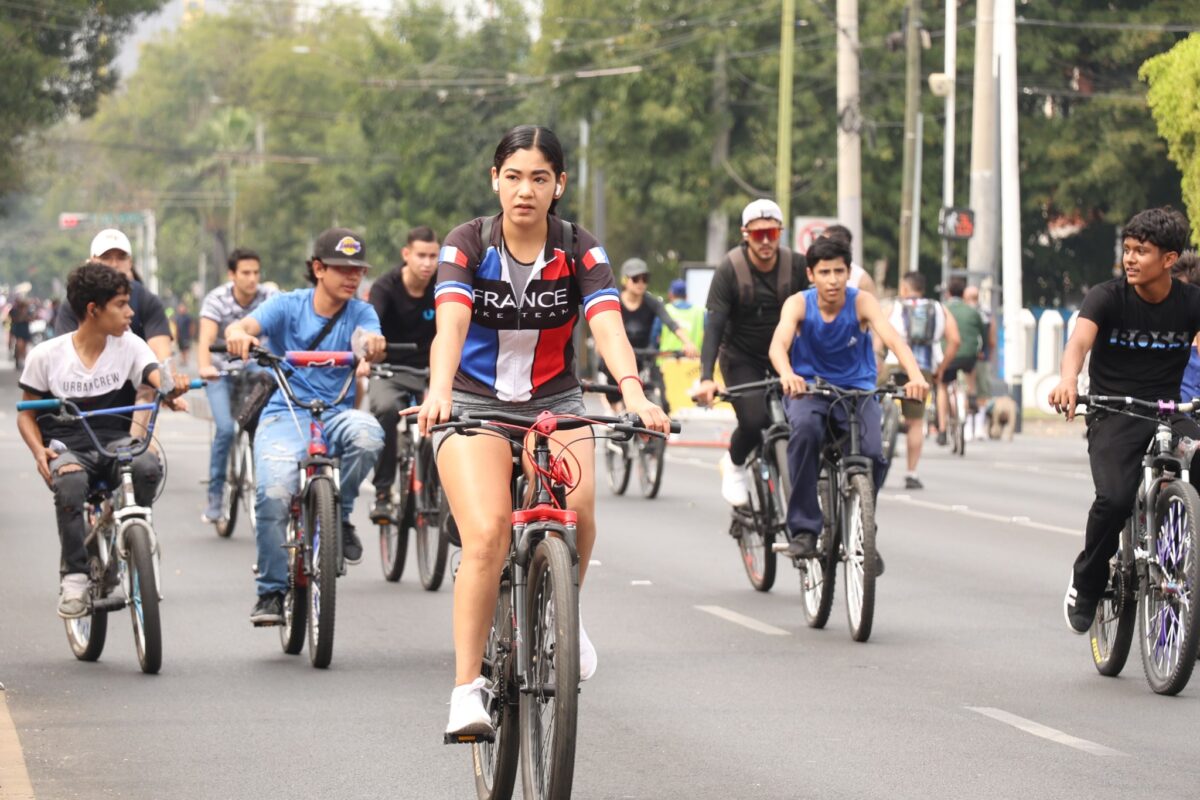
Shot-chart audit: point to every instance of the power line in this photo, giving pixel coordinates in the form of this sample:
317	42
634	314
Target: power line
1153	27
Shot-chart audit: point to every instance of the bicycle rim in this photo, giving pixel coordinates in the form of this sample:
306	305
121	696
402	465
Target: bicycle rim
143	598
322	588
818	575
859	558
651	464
1166	607
433	541
86	635
618	465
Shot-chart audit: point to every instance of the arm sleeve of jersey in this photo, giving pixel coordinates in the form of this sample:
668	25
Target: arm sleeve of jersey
366	318
455	276
65	321
209	309
714	329
1096	304
269	314
723	290
595	277
142	359
34	378
660	311
154	316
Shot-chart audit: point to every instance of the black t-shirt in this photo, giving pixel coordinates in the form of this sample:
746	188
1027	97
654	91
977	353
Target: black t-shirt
639	322
1141	348
149	317
749	328
404	318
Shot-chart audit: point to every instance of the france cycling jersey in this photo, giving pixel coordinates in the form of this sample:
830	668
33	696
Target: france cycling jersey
519	342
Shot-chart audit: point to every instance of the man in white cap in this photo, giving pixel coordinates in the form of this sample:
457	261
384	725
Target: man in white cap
111	247
747	292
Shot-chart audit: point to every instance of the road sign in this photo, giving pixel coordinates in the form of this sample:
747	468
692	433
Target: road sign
74	220
958	223
808	229
69	220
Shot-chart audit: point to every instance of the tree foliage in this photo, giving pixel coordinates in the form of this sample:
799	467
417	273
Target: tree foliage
1174	97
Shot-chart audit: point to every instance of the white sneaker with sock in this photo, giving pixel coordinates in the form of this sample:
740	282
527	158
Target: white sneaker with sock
587	655
467	713
733	482
73	596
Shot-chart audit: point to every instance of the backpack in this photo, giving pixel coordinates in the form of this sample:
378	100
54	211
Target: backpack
920	320
745	278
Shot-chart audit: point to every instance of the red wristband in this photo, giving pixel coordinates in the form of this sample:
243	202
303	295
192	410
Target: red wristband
631	378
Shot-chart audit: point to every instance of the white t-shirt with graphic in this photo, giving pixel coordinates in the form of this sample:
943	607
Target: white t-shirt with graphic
54	369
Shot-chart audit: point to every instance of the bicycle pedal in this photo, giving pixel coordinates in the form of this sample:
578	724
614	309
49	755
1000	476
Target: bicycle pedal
468	738
779	547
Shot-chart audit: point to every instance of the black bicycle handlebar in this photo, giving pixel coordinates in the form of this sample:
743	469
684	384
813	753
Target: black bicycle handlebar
626	423
612	391
1160	408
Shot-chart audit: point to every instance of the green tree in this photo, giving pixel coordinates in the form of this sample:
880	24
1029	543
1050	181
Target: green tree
1174	97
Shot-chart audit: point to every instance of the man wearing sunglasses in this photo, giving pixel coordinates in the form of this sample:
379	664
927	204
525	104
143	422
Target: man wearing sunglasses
747	292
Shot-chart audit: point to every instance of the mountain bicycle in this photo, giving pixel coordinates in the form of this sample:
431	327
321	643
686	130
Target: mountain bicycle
314	528
846	493
619	457
531	660
123	548
757	525
1155	575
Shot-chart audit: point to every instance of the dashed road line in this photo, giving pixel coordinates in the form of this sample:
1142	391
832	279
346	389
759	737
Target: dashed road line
743	620
1023	522
14	779
1050	734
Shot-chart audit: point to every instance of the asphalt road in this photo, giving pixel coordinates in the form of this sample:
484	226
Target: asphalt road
970	687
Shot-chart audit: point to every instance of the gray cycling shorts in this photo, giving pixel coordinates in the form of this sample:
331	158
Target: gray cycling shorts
568	402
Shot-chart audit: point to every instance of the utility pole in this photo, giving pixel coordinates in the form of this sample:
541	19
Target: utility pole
849	138
912	99
718	221
1010	196
951	76
981	249
783	154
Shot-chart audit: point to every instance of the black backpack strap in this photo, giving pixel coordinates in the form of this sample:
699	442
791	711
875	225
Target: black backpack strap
783	280
741	270
485	235
329	323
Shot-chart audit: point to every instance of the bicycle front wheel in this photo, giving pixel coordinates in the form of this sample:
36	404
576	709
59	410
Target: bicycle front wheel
433	540
758	536
619	464
143	598
651	462
1112	630
323	533
496	761
231	493
818	576
550	704
1167	610
860	562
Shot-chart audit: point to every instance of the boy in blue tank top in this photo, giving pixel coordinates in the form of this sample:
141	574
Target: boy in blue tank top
823	333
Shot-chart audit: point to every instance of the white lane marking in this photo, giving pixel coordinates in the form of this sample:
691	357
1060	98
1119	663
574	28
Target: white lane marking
1055	471
641	583
14	779
694	462
1053	735
1023	522
743	620
593	563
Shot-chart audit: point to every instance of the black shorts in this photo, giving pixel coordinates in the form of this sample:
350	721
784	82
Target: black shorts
964	365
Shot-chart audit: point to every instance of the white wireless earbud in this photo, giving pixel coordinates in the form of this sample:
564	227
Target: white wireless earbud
558	190
495	185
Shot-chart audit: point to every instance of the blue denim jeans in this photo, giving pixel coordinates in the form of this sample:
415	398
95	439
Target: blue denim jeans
218	402
353	436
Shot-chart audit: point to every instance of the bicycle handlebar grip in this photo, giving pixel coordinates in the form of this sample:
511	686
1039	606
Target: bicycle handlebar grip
218	347
319	358
47	404
601	388
196	383
401	347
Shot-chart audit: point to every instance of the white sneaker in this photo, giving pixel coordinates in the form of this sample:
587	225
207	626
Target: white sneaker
467	713
733	482
587	655
73	596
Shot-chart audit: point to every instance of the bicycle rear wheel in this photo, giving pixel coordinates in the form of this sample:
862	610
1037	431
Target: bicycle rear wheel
651	463
143	598
549	707
860	561
818	576
295	599
1167	610
324	532
433	540
248	486
758	535
619	465
496	761
1112	630
86	635
230	493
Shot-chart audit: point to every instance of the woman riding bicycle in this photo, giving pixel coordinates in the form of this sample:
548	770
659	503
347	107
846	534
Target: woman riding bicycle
506	309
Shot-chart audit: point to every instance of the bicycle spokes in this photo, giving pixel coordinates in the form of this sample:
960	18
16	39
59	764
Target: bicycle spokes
1171	593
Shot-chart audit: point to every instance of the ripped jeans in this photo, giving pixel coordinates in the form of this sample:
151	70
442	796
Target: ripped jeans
353	436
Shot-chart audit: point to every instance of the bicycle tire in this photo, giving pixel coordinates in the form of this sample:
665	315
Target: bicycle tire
143	598
1175	537
891	432
818	576
552	599
86	635
230	492
295	600
754	545
433	541
619	465
495	762
1116	616
860	562
249	486
323	533
651	465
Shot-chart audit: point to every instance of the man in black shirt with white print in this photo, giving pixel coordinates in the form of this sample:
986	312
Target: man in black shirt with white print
403	299
1139	329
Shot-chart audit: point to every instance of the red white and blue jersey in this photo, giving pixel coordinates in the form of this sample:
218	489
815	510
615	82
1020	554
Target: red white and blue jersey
521	348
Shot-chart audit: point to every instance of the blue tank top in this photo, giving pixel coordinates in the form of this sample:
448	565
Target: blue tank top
838	352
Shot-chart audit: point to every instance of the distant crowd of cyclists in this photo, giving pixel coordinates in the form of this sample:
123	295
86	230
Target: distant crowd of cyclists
492	309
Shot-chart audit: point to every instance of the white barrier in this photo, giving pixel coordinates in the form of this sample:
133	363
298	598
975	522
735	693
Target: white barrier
1049	342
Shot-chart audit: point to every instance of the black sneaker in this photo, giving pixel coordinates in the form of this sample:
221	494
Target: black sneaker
941	438
351	544
384	510
1079	609
802	545
913	482
268	610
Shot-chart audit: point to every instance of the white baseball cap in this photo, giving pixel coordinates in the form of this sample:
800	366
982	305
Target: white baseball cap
762	209
110	239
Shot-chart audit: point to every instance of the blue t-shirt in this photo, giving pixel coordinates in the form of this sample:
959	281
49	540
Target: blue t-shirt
291	323
839	351
1190	389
